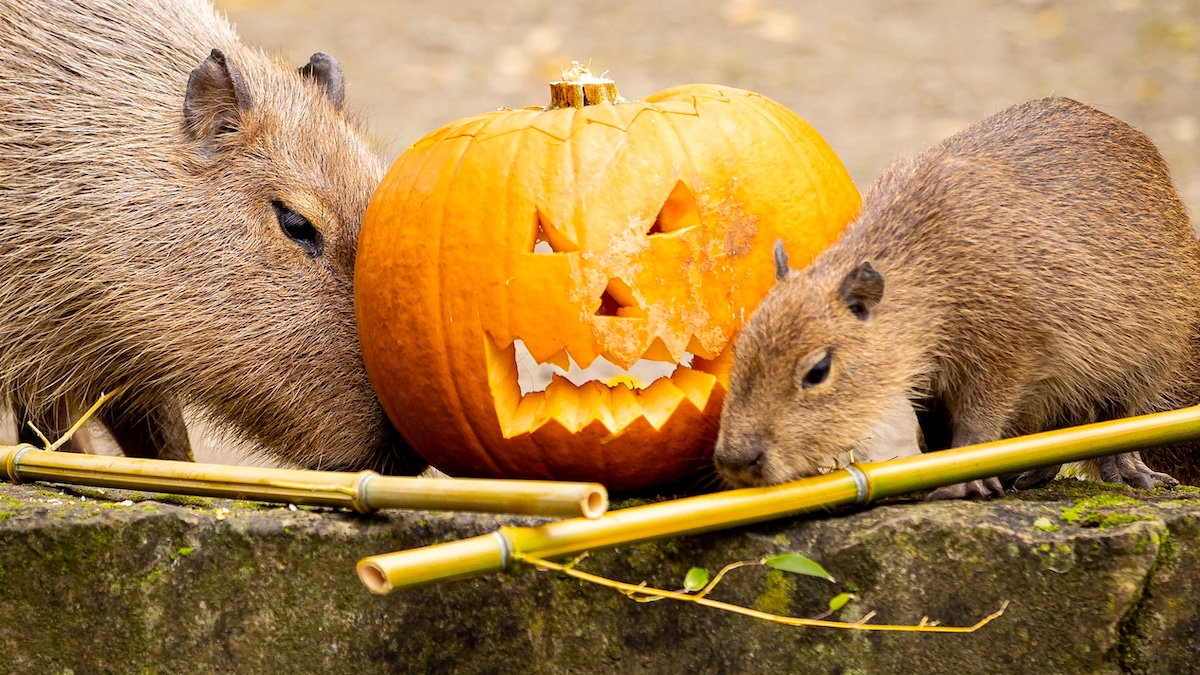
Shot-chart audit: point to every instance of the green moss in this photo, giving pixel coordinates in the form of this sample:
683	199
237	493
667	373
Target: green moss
182	552
1167	550
1044	524
909	547
1057	557
1082	489
185	500
1111	500
1071	514
1114	519
83	552
99	494
778	595
627	503
1143	545
1080	511
1178	503
537	625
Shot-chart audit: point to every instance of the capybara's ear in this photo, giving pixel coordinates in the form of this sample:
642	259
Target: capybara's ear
216	98
861	290
781	261
325	71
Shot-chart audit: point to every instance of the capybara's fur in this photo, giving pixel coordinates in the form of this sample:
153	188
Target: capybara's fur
1181	461
1033	271
179	214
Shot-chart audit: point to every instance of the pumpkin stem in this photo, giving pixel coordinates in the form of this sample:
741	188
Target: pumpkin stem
579	87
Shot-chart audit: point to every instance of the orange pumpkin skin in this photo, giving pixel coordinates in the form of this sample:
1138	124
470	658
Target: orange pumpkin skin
661	215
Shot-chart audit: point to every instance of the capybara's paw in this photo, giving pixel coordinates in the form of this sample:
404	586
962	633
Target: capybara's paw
1129	469
975	489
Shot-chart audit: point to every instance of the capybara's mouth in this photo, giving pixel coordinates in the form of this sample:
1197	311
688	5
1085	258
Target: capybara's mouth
742	479
772	476
529	393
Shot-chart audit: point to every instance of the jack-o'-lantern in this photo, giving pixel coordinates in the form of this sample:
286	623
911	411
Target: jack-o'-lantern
596	230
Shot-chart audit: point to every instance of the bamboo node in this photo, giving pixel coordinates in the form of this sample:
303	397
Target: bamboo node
359	494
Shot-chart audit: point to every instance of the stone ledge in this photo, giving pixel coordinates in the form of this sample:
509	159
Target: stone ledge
91	585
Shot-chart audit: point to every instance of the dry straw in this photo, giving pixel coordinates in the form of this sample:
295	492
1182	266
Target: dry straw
858	484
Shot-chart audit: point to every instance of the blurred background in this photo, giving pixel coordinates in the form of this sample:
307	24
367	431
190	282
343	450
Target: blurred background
877	78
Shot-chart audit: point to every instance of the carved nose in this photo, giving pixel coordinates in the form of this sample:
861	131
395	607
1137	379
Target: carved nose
742	462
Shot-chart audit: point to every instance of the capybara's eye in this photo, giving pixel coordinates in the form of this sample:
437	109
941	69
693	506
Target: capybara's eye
818	373
298	229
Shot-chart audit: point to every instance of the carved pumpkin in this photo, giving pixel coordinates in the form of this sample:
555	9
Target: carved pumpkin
616	230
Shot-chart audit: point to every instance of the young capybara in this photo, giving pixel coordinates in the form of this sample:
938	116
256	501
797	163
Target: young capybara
1034	271
179	214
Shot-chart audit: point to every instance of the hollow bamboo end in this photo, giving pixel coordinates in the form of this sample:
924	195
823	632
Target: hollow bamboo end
594	502
10	457
389	572
373	577
579	87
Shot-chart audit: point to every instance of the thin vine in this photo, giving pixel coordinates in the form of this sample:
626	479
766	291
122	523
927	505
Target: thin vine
643	593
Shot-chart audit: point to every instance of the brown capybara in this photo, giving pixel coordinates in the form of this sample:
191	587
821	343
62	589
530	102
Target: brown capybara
179	214
1034	271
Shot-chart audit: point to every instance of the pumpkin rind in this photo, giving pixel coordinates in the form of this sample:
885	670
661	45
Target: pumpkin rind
662	215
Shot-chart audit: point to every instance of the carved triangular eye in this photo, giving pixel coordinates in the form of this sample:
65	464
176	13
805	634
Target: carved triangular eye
678	213
547	239
617	300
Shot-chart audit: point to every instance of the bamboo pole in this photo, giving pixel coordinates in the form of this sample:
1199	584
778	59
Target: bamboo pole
857	484
364	492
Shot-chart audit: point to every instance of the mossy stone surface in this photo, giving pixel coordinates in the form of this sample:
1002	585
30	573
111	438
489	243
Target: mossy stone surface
93	583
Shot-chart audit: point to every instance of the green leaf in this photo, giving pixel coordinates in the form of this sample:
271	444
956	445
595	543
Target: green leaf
798	564
696	578
839	601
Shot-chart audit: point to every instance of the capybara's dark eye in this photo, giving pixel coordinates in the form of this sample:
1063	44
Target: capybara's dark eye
298	229
818	373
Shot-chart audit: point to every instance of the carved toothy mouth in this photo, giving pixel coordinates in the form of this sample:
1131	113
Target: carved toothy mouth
528	393
534	377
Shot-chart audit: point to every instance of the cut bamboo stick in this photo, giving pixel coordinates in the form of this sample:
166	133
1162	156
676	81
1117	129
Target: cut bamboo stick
857	484
364	492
